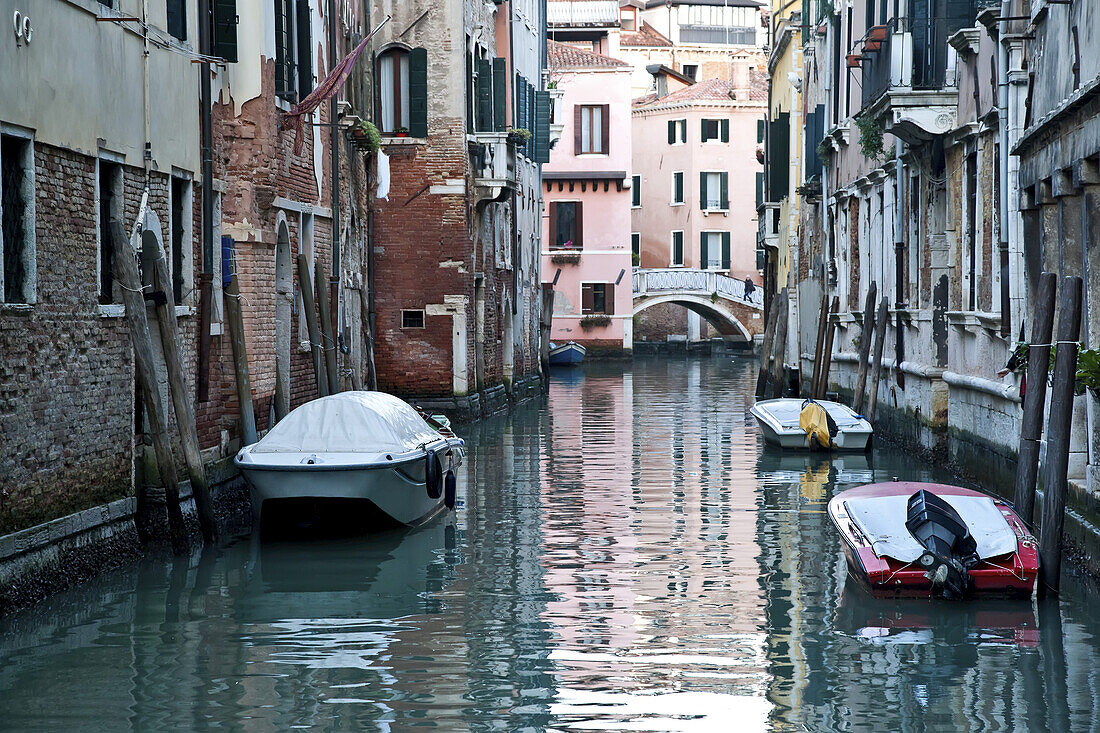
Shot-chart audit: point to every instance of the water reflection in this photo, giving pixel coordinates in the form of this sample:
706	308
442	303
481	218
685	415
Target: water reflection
627	557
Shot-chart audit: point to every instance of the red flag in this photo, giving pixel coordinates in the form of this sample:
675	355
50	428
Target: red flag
328	86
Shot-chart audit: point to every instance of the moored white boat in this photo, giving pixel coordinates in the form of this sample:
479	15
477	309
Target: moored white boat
779	422
356	445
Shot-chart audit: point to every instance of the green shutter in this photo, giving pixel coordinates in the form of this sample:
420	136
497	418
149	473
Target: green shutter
760	131
702	250
725	250
282	22
702	191
224	39
484	121
725	128
635	190
683	131
759	189
671	132
702	130
500	94
542	127
725	197
418	92
678	187
305	50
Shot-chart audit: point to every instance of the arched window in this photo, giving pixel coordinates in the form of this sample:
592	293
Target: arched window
393	90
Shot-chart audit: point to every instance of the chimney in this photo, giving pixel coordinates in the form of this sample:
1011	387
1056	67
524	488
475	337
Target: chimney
740	79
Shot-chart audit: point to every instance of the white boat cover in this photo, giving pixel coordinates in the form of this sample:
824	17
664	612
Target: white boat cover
882	518
786	411
349	422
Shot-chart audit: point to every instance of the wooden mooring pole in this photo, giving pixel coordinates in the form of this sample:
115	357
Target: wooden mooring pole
819	347
876	360
1038	365
235	319
867	330
305	282
766	348
328	341
181	400
779	367
827	351
1058	432
134	300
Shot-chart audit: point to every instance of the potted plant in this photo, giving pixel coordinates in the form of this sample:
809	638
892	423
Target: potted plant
365	136
402	132
518	135
595	321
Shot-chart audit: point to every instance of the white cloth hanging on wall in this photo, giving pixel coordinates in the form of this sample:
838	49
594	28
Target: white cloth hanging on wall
383	176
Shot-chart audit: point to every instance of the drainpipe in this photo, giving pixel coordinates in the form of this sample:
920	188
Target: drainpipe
334	145
206	279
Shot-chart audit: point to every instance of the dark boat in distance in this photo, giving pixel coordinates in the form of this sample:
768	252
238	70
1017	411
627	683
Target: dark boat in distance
566	354
918	539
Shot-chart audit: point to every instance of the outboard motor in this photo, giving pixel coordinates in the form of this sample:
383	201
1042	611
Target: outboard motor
950	550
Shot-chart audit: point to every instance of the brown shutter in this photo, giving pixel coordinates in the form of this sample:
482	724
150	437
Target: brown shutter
578	225
605	118
577	129
553	225
609	299
586	298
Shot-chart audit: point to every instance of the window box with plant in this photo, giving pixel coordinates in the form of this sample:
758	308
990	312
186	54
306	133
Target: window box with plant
365	137
565	258
595	321
518	135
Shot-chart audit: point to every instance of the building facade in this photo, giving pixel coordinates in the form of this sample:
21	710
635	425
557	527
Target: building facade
586	232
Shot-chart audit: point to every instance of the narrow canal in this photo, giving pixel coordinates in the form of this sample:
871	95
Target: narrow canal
627	557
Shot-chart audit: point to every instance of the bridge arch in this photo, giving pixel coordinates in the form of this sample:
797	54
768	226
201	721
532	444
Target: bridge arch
714	310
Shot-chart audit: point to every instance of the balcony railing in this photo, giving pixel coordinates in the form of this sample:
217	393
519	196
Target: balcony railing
493	162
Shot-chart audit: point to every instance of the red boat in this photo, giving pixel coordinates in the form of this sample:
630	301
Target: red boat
918	539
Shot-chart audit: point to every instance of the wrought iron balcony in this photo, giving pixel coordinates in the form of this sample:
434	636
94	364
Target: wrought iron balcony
493	162
909	75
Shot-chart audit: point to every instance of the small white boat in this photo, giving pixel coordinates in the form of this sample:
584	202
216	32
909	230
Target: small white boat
356	445
780	423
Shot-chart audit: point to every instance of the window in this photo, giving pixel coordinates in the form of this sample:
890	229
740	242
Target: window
677	188
636	246
412	319
176	11
393	90
566	231
110	207
17	222
714	250
180	243
628	20
597	298
715	130
677	132
714	191
677	259
591	129
636	191
293	50
690	71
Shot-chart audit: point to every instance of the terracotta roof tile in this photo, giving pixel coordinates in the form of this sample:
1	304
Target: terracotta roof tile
564	56
646	36
711	90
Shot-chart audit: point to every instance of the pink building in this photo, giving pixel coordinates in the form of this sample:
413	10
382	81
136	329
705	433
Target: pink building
586	225
696	179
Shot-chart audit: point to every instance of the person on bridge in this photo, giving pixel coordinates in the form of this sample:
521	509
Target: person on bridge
750	288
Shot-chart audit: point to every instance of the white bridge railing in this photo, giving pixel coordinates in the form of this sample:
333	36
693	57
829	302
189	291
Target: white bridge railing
696	282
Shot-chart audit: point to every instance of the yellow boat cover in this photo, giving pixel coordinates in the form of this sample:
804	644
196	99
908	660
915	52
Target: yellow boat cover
815	422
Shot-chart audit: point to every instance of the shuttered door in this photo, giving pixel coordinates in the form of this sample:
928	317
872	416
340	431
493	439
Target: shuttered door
702	190
542	127
779	151
577	112
725	192
703	250
282	48
605	129
702	131
724	126
671	132
305	50
578	216
500	94
224	39
484	119
553	224
418	92
609	299
725	250
586	298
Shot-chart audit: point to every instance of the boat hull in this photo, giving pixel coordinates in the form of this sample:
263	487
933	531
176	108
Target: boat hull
566	354
790	437
1011	575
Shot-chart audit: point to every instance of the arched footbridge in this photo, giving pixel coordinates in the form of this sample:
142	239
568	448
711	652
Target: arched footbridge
717	298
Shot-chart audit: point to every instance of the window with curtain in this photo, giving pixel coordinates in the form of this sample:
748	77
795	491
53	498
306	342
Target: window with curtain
714	190
393	90
592	137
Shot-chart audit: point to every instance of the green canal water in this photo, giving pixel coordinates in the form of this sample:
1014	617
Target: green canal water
626	557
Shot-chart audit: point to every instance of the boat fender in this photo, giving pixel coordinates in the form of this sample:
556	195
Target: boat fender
433	474
450	490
